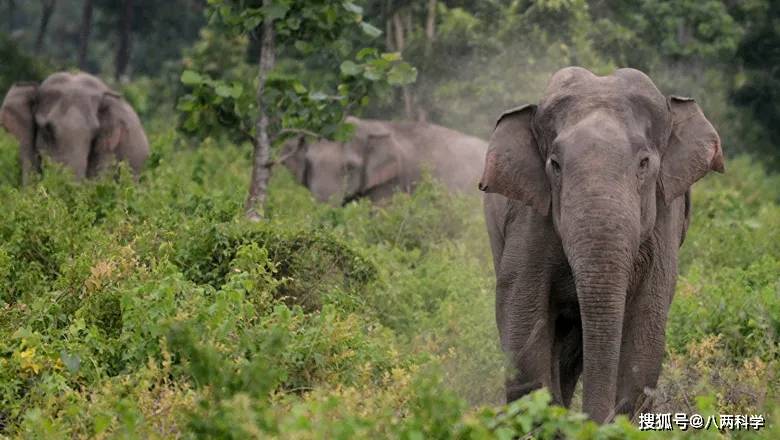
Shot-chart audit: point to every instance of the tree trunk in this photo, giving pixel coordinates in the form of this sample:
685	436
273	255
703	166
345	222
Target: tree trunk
387	8
430	26
399	32
47	9
400	44
261	164
86	29
389	35
125	31
430	33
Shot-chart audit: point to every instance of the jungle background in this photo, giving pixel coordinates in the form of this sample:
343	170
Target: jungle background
156	310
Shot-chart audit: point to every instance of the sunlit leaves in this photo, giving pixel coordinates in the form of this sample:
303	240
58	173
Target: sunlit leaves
293	99
370	30
191	78
350	68
400	74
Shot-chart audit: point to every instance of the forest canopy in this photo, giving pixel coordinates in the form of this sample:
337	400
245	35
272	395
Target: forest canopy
473	59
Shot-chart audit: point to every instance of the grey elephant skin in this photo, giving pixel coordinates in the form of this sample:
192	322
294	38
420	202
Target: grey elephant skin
588	203
386	156
76	120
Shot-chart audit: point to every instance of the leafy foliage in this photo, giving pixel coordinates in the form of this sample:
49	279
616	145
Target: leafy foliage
152	310
302	27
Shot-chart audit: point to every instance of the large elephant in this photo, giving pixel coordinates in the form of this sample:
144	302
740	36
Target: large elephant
588	203
77	121
386	156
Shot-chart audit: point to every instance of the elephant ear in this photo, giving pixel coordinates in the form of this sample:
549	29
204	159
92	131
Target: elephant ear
692	151
514	167
112	126
294	157
16	113
382	160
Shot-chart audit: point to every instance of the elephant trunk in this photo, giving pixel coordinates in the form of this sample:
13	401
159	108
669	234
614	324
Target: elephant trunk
600	240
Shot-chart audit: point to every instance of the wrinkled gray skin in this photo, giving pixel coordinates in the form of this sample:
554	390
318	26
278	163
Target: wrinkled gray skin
589	201
76	120
387	156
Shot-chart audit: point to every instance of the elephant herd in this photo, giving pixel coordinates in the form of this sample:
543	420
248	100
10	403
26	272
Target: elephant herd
77	121
587	202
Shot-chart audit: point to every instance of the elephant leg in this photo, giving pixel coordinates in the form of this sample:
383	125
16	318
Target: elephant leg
567	359
642	348
524	310
30	163
526	332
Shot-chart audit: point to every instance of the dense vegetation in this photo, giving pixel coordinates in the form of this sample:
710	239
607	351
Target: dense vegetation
155	310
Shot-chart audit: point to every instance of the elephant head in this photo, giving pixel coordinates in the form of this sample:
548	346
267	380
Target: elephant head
76	120
343	171
603	156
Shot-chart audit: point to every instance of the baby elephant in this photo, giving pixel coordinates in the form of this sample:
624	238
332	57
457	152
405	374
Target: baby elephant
77	121
590	203
386	156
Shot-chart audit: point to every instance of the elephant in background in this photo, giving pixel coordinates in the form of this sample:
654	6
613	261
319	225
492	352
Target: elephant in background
76	120
386	156
588	203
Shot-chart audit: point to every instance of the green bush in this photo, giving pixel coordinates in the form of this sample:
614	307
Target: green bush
153	310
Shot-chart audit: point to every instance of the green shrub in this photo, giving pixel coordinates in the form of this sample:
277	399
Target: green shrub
153	310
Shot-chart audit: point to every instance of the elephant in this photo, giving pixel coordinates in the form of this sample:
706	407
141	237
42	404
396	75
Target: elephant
383	157
587	202
75	120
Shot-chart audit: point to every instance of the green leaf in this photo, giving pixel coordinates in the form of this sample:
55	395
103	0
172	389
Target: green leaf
238	90
186	103
401	74
349	68
293	23
275	11
365	52
372	74
391	56
370	30
191	78
299	88
72	362
303	46
351	7
252	22
344	132
223	90
318	96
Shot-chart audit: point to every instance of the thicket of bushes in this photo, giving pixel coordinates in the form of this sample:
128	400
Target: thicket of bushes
152	310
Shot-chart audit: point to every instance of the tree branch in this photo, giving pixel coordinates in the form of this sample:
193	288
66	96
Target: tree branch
300	131
287	155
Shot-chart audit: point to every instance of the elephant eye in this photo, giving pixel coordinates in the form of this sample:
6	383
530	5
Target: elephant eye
556	167
643	164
